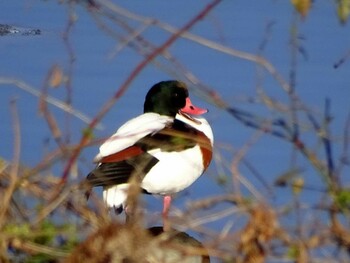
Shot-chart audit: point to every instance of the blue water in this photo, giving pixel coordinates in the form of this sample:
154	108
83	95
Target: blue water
97	74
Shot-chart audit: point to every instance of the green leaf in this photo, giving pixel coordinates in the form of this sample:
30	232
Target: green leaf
293	252
342	199
46	233
17	230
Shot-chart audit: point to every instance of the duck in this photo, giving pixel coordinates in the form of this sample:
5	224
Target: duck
168	147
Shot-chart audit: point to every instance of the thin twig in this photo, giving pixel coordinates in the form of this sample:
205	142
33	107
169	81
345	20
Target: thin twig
6	198
71	57
344	156
324	170
236	175
342	60
328	144
292	82
34	248
43	109
51	100
52	206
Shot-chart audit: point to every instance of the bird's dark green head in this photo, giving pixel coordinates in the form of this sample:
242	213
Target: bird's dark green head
166	98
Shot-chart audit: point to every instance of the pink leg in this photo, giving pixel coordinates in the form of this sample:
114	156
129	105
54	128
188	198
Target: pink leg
166	205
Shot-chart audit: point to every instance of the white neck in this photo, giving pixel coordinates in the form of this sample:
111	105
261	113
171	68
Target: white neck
200	124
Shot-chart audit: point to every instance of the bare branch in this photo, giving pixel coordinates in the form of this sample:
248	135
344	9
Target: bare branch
6	198
51	100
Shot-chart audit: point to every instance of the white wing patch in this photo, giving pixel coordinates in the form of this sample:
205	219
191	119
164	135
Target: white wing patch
132	131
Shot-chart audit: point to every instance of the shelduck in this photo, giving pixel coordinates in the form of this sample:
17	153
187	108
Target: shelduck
168	147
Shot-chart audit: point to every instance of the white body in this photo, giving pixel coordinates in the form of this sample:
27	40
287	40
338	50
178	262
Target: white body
174	172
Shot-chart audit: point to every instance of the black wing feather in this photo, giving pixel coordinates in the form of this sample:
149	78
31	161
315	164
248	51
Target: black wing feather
114	173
